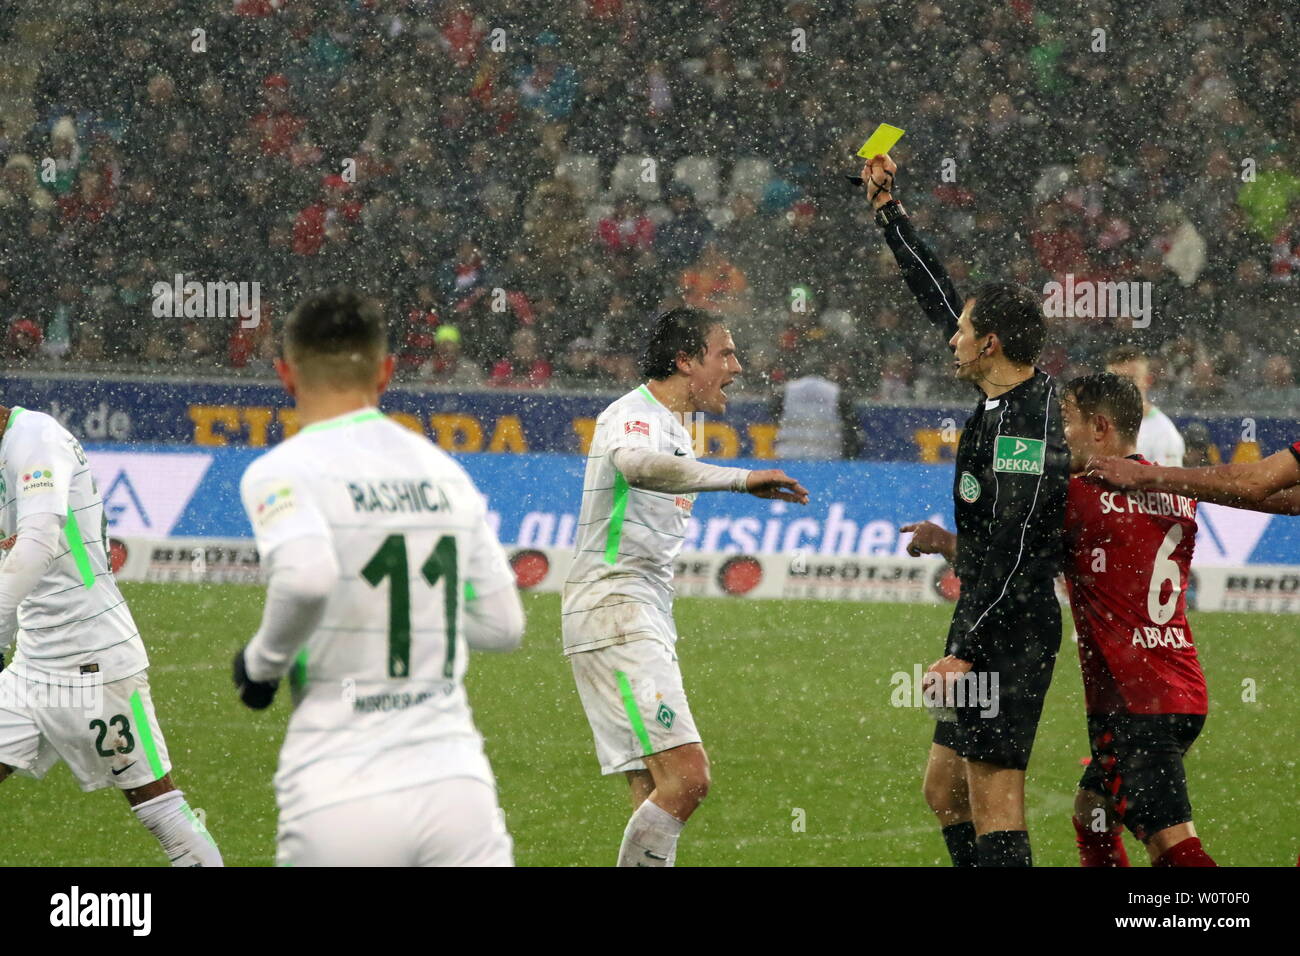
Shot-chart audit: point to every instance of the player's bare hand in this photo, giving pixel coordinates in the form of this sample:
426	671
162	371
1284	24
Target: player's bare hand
774	483
878	178
940	669
929	538
1123	473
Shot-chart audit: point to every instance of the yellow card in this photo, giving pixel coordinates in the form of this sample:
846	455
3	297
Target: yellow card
881	141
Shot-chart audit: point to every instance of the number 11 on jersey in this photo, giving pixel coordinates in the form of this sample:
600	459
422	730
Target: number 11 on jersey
390	562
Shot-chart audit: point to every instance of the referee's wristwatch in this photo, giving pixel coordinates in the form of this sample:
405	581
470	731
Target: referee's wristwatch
890	212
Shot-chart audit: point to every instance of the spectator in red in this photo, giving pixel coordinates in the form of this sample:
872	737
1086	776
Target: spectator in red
464	274
90	201
422	323
1058	243
461	34
332	214
23	339
1284	261
525	367
257	8
250	337
277	127
627	229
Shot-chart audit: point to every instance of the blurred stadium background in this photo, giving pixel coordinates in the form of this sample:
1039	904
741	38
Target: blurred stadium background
513	160
522	184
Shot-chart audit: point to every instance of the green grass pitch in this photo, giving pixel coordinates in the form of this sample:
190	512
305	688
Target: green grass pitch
792	700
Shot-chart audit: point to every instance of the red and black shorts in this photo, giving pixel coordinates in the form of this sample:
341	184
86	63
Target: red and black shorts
1137	762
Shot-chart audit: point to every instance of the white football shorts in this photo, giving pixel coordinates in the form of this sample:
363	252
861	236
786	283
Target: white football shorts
634	700
107	734
451	822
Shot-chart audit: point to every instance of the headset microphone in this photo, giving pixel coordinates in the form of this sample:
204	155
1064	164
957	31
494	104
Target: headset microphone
979	356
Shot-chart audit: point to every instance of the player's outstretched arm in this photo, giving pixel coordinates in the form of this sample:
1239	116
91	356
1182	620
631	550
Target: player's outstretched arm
1240	485
670	474
921	268
1284	502
929	538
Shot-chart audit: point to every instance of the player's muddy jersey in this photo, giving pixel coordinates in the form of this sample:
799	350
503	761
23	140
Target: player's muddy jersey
1128	570
75	621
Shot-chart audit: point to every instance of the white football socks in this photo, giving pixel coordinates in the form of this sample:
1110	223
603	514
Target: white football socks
650	838
183	836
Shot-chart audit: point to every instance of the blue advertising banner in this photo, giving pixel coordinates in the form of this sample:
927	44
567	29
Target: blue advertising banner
213	414
857	508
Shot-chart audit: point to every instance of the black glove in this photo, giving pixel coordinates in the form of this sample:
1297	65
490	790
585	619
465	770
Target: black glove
255	694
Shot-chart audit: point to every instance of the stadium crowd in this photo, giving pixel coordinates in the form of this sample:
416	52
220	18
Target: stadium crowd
523	182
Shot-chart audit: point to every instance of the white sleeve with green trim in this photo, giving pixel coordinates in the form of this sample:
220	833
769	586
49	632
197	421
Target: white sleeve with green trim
302	574
30	557
74	619
296	545
495	622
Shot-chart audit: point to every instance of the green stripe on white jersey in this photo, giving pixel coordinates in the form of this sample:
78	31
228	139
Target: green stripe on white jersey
627	538
75	617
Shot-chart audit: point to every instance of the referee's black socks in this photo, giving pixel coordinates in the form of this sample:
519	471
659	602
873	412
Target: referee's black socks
960	838
1004	848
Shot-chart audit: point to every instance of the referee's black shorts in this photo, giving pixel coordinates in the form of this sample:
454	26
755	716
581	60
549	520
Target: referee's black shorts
1020	651
1137	763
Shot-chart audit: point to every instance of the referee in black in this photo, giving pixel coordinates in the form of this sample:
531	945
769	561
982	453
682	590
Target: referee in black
1009	493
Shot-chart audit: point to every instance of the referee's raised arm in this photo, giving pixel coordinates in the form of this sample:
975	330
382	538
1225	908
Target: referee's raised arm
921	268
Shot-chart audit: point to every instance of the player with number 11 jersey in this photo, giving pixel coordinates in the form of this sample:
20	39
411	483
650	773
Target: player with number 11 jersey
383	574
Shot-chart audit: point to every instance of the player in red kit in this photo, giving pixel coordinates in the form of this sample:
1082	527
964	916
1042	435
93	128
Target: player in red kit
1130	556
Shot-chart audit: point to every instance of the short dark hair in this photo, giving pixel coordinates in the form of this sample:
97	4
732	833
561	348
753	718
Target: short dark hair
1015	314
1116	397
674	332
1123	354
338	335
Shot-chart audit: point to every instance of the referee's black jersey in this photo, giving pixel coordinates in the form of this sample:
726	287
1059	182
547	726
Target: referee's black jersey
1009	487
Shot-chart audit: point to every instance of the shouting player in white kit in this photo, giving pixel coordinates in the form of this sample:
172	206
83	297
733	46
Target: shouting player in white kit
383	573
77	688
619	633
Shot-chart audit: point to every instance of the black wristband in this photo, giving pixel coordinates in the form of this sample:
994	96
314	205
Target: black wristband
890	212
